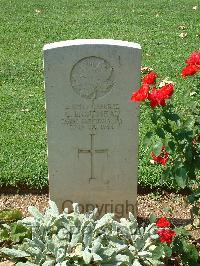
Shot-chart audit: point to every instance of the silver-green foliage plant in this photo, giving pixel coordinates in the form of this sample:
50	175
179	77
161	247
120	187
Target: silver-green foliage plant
80	239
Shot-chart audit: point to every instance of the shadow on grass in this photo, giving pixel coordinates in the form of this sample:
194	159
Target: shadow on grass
23	190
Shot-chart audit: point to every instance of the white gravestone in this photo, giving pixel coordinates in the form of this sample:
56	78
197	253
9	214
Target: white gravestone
92	126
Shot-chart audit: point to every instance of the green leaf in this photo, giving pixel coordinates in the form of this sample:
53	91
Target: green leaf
10	215
19	232
181	177
4	235
172	116
195	210
147	139
160	132
168	128
154	118
181	181
194	196
189	253
152	218
157	252
189	123
157	148
139	243
171	145
167	250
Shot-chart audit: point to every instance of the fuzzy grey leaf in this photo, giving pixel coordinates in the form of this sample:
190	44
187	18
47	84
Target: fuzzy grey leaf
132	218
144	253
155	262
106	219
62	233
53	208
48	263
96	257
76	208
96	245
136	263
121	258
87	256
27	221
14	253
60	254
75	239
35	212
26	264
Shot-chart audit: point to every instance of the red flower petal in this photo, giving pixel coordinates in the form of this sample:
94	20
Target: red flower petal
150	78
141	94
153	98
194	59
158	96
167	90
166	235
163	222
162	158
189	70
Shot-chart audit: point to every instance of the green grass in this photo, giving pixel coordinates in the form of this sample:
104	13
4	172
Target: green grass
27	25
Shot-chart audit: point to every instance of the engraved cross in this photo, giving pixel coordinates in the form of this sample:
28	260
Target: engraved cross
92	152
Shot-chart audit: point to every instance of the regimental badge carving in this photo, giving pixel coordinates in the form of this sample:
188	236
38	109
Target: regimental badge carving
92	77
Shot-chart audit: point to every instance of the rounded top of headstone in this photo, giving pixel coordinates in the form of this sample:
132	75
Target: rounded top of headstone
112	42
92	77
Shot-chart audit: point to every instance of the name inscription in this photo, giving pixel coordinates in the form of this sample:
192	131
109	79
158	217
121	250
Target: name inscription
98	116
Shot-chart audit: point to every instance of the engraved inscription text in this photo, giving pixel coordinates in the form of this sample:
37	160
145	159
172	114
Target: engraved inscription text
92	117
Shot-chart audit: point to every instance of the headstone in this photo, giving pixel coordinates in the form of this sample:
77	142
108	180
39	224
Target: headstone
92	125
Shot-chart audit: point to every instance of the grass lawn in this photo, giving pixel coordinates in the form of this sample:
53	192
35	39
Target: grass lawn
27	25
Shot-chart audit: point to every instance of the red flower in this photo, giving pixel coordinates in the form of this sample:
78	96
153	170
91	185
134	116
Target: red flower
167	90
150	78
141	94
155	98
194	59
166	235
193	65
163	222
162	158
158	96
189	70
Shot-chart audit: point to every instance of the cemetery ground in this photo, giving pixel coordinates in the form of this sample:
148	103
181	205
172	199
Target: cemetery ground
173	205
170	204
